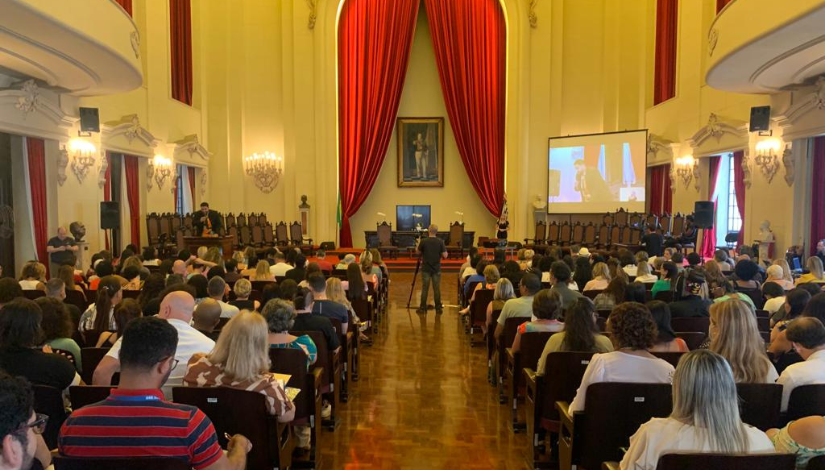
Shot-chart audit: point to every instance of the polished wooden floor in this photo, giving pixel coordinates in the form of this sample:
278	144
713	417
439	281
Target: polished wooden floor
423	401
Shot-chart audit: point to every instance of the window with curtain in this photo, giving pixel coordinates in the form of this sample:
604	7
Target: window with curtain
733	218
667	23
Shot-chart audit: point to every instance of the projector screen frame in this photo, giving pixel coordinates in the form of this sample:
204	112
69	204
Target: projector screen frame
570	136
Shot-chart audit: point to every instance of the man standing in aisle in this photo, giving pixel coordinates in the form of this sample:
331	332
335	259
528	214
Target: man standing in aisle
62	249
432	249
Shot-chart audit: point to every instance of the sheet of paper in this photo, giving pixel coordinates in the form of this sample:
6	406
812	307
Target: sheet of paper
292	392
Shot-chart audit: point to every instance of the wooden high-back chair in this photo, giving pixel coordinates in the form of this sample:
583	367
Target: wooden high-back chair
806	400
553	231
293	362
530	349
707	461
131	463
760	404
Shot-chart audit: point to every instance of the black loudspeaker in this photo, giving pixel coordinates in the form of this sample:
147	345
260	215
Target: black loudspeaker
89	120
109	215
554	183
760	118
703	214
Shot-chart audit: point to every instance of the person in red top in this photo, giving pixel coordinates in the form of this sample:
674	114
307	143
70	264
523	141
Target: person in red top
321	259
136	421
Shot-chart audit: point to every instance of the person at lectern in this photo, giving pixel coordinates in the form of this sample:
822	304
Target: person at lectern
590	184
207	222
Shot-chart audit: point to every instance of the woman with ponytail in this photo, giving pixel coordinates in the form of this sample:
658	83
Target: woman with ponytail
99	317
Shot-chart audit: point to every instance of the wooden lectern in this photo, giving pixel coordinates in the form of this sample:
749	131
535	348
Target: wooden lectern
224	243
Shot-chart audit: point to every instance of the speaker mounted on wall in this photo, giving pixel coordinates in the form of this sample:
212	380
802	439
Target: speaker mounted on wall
703	214
109	215
760	119
89	120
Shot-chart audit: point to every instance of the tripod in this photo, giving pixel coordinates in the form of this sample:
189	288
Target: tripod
415	276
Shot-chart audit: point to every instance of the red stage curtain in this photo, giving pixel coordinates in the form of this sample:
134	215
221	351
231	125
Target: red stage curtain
37	186
655	190
374	41
721	4
667	19
739	187
818	194
127	5
191	170
470	40
180	37
133	194
667	192
709	235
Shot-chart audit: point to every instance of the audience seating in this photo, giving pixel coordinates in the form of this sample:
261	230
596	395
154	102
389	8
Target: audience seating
49	401
90	358
153	463
33	294
505	341
612	413
347	346
491	341
478	313
700	324
242	412
816	463
760	404
693	339
664	296
330	362
806	400
671	358
82	395
706	461
530	349
77	298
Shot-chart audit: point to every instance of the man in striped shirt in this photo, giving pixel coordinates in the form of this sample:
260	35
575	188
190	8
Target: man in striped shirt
136	421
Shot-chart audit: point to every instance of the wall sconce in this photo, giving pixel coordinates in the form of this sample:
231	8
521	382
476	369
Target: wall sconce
766	158
163	170
83	157
265	169
685	168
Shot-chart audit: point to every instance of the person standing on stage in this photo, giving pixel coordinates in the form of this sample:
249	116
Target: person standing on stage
208	222
432	249
62	249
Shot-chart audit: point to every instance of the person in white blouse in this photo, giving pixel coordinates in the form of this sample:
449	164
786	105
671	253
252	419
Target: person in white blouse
633	332
643	274
703	391
735	336
601	278
807	335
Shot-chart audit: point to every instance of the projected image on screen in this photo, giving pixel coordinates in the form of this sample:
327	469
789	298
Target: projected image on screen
597	173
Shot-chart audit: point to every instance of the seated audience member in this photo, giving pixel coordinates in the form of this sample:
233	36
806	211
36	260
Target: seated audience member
775	295
666	341
125	311
560	280
807	335
323	306
583	273
718	283
734	335
175	279
289	289
280	318
691	303
305	320
580	334
336	293
653	241
10	290
262	272
633	332
541	267
201	285
217	289
99	317
787	272
613	295
20	352
346	261
679	260
132	276
814	274
703	390
668	274
803	437
643	274
491	277
232	274
546	313
176	308
321	259
66	274
628	262
694	260
527	261
149	297
781	350
520	307
601	278
468	263
243	289
133	262
21	429
616	271
355	286
56	289
737	296
635	292
477	278
794	305
179	268
667	254
216	271
378	266
206	317
721	259
299	272
240	360
57	328
512	272
503	292
33	276
746	272
776	275
148	354
104	269
281	266
150	256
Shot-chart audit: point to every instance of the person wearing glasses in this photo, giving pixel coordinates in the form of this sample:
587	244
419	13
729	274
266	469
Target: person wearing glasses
176	308
147	425
21	445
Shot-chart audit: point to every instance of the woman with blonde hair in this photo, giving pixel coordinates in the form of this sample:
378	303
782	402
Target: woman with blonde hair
378	266
504	292
776	274
814	274
643	274
213	257
718	283
735	336
33	276
786	269
601	278
705	417
365	262
66	274
491	277
240	259
336	293
240	360
262	272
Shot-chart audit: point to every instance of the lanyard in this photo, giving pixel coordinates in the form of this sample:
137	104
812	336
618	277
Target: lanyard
136	398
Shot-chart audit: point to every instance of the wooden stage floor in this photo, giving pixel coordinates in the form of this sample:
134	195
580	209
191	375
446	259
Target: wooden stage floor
423	401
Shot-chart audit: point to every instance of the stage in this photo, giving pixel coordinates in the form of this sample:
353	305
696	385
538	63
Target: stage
406	260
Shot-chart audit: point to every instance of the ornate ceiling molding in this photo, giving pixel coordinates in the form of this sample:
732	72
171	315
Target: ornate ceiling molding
204	180
812	102
313	13
192	145
531	14
29	99
130	129
657	145
716	129
788	163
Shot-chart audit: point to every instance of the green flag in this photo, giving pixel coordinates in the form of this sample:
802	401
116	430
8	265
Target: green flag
339	217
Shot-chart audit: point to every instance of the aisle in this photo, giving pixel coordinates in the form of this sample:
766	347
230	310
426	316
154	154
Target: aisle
423	401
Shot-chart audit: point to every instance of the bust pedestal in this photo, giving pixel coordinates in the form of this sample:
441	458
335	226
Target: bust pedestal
304	217
84	256
539	215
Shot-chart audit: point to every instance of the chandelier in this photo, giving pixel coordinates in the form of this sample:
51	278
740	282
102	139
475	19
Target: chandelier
685	168
83	153
767	157
266	169
163	170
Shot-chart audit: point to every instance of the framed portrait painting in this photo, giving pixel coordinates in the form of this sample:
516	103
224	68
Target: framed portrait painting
420	152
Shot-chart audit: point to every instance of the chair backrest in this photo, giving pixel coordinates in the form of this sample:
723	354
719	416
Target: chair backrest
230	220
700	324
578	233
678	225
806	400
131	463
324	357
664	296
693	339
685	461
164	225
563	373
262	218
295	233
260	285
293	362
49	401
635	236
76	298
252	219
175	220
627	233
816	463
760	404
187	220
620	218
565	232
671	358
478	307
541	231
269	234
237	412
153	227
608	219
651	220
245	235
604	234
257	234
33	294
82	395
615	234
456	233
282	233
241	219
613	411
553	231
589	234
90	358
532	345
592	293
755	295
664	222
